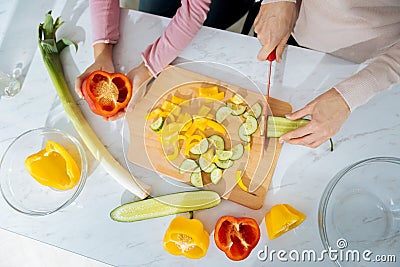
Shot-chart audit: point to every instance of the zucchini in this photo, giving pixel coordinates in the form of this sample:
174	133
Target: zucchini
251	125
188	165
216	176
218	141
223	154
204	163
236	109
237	151
200	148
196	179
278	126
243	134
158	124
257	110
222	113
165	205
210	168
224	164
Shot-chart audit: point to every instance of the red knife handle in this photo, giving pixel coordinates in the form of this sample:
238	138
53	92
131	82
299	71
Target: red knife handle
272	56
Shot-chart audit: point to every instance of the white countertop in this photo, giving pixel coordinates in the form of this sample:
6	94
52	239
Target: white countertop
301	175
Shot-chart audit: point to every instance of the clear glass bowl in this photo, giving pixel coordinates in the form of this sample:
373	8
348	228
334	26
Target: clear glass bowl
20	190
359	212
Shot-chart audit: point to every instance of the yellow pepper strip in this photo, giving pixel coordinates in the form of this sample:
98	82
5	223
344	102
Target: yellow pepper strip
154	113
205	92
189	146
201	123
54	167
186	237
168	106
247	147
191	130
174	155
216	126
281	219
196	137
199	132
239	181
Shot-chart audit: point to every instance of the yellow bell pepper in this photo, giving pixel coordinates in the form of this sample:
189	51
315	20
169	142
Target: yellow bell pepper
216	126
186	237
177	100
281	219
54	167
154	113
219	96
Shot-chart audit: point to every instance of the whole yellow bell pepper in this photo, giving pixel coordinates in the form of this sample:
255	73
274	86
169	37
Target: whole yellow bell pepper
54	167
186	237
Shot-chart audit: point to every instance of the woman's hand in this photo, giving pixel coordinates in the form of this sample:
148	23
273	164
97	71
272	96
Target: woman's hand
137	76
328	113
102	61
273	25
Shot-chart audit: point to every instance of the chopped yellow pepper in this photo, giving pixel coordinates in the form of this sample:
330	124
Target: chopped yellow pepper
219	96
205	92
54	167
168	106
186	237
154	113
177	100
281	219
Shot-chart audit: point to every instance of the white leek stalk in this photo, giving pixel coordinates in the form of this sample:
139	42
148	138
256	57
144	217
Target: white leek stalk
51	49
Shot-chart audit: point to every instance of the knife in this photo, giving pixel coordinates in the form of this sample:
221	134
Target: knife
259	179
271	57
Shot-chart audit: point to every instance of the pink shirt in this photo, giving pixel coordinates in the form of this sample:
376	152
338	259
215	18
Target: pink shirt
356	30
180	31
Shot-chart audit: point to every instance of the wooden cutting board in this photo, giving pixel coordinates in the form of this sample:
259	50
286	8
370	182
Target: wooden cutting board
146	150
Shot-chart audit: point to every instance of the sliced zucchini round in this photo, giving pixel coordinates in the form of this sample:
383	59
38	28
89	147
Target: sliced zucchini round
222	113
216	175
188	165
251	125
158	124
200	148
218	141
223	154
210	168
237	151
224	164
236	109
204	163
243	134
257	110
196	179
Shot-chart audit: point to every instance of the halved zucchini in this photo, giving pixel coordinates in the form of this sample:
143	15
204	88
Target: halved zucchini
196	179
200	148
237	151
188	165
218	141
224	164
158	124
222	113
216	175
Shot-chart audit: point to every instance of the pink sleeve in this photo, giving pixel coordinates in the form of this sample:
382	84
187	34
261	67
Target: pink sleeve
183	27
105	21
380	74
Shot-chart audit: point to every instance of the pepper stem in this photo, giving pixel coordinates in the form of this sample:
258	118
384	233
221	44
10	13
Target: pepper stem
190	214
331	142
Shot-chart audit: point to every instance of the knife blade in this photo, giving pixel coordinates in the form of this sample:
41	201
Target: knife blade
258	180
271	57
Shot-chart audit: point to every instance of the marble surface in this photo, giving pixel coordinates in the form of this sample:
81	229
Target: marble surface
301	175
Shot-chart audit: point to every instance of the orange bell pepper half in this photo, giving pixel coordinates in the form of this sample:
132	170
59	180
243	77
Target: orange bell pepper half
107	93
236	237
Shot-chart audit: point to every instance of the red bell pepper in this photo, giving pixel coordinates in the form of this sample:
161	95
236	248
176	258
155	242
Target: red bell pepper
236	236
107	93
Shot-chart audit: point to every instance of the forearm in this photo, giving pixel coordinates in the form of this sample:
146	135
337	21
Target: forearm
381	73
103	50
105	21
179	33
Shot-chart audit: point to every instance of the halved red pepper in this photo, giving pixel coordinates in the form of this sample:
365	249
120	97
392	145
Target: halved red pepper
236	236
107	93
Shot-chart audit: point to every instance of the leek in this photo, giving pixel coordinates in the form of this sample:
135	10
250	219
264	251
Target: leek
51	49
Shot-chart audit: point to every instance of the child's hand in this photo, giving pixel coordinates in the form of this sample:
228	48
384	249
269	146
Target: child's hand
138	76
103	61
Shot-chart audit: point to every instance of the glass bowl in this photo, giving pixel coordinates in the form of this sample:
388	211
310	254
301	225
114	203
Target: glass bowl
359	213
20	190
